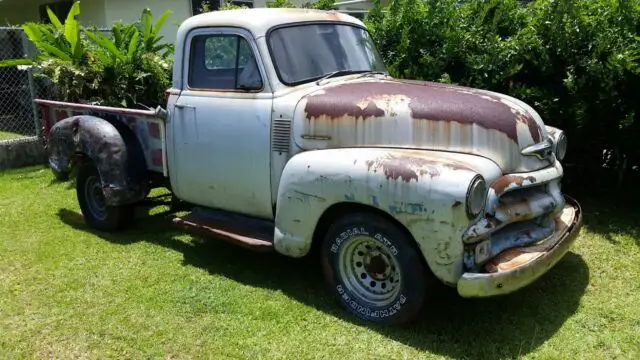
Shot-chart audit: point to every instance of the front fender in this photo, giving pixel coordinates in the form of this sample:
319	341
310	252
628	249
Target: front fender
119	162
424	190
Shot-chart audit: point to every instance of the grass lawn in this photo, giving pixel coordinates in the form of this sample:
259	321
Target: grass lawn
4	135
153	291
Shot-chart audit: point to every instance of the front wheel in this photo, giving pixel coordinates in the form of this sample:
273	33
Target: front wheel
374	268
96	212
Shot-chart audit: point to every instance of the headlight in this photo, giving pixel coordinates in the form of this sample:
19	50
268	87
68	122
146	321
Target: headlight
561	146
476	196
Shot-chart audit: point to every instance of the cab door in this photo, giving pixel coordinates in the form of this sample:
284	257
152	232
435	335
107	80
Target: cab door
221	125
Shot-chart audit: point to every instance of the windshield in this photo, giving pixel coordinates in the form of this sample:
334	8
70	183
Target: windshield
304	53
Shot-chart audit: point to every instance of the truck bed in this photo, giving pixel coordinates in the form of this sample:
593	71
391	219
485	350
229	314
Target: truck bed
148	125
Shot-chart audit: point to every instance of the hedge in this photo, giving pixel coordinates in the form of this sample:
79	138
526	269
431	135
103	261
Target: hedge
575	61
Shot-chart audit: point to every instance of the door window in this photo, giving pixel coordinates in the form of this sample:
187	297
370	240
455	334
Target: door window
223	62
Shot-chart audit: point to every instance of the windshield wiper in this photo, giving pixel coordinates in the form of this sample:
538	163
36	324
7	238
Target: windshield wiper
373	72
339	73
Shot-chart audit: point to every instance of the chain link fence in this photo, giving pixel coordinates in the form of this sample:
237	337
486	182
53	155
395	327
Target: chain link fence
19	116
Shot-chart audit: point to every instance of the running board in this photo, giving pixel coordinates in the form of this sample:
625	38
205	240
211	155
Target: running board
247	232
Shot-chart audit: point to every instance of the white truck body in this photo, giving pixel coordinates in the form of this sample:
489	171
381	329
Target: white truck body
471	177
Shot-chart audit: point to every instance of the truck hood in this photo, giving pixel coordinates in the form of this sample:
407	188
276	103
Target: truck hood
373	112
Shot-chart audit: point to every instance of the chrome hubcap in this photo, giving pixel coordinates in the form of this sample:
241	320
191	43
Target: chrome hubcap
369	270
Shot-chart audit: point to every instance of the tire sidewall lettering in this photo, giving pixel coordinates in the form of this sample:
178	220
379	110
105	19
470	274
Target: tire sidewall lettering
382	312
338	241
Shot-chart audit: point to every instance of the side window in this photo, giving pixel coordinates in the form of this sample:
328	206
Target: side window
223	62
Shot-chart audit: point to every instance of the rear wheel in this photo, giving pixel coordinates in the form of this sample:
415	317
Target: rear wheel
96	212
374	268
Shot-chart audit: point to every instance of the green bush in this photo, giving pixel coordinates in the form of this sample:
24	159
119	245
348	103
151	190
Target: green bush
575	61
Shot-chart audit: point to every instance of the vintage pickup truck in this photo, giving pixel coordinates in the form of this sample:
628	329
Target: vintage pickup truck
284	132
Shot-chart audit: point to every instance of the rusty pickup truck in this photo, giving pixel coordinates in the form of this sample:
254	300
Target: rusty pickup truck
285	133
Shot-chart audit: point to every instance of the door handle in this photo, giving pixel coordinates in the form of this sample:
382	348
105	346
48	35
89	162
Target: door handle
183	106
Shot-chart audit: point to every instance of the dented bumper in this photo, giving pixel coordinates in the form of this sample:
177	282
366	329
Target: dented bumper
518	267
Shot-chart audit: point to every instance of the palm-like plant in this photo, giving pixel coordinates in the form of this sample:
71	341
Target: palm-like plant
130	65
54	40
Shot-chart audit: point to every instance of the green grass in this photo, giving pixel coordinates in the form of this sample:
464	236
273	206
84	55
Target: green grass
4	135
156	292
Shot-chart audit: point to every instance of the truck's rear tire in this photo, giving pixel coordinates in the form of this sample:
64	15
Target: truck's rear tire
374	269
96	212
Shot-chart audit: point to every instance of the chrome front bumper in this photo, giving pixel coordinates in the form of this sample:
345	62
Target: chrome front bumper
516	268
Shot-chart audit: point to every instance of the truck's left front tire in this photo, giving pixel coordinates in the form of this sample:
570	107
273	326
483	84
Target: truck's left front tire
96	212
374	269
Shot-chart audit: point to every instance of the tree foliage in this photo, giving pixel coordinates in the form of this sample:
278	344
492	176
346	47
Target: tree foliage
575	61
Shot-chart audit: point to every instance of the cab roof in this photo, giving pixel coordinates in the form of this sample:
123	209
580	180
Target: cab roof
259	20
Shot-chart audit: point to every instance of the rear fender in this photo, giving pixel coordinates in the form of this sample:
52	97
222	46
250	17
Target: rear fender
423	190
115	152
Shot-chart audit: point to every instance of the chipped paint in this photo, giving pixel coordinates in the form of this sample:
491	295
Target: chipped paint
358	176
507	182
398	165
374	201
407	208
520	266
422	115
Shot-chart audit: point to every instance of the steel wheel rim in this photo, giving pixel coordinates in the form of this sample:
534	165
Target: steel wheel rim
95	198
369	270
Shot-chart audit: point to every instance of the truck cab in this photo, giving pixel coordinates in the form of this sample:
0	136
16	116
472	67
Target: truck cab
285	131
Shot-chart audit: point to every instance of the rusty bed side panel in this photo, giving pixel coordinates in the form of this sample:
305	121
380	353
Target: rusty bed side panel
147	125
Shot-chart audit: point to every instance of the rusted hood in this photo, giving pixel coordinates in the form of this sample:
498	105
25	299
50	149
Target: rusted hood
422	115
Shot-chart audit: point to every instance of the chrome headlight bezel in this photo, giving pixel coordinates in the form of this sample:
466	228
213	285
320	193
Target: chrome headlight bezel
476	197
560	148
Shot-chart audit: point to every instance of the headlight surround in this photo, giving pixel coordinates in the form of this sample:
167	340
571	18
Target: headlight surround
561	146
476	196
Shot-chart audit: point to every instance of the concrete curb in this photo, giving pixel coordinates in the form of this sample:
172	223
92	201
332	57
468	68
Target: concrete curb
21	152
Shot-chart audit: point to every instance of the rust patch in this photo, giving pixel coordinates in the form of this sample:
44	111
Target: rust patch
407	168
154	130
532	125
335	107
427	101
502	183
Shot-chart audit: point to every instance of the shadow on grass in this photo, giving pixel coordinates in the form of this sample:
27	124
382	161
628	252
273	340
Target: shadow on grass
500	327
612	218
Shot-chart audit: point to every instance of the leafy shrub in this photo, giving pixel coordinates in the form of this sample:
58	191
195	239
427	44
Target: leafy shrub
575	61
127	67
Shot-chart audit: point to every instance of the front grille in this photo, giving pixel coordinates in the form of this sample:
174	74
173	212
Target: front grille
519	216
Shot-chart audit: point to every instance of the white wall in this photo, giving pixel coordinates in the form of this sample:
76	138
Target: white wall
130	10
17	12
263	3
